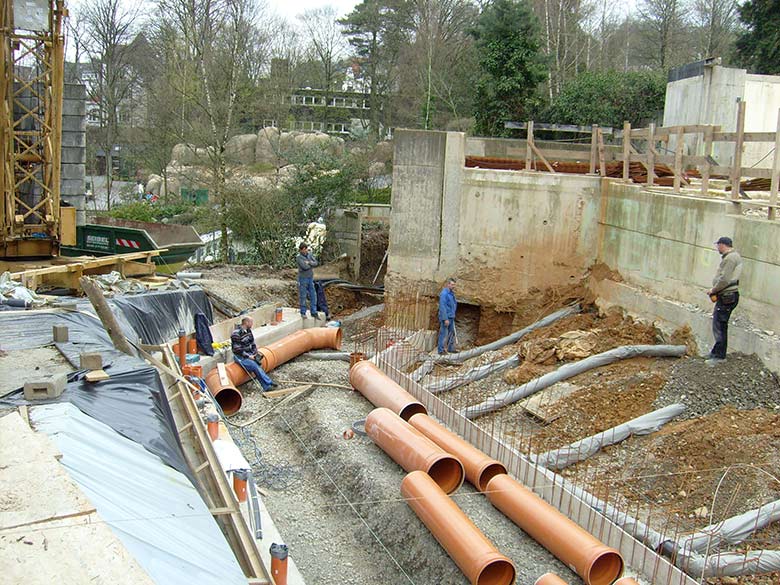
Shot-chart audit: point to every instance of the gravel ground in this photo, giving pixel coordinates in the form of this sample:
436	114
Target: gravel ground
741	381
339	505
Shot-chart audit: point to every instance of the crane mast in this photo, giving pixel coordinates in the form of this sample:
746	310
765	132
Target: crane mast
31	91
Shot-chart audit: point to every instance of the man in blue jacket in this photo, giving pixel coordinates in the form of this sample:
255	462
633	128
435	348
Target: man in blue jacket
306	263
447	307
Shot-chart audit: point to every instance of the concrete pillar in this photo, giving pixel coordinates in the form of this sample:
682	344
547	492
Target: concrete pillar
454	161
74	110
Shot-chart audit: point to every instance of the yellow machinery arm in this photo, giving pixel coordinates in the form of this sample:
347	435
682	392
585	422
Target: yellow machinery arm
31	88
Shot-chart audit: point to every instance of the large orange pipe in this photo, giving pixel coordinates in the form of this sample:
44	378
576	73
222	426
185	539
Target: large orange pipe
275	354
626	581
380	390
550	579
594	561
412	450
479	467
467	546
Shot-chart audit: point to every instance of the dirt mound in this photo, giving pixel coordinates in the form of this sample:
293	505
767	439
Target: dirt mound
609	396
686	463
526	372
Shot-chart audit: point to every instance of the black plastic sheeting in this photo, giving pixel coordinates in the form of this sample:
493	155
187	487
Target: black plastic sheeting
133	403
157	317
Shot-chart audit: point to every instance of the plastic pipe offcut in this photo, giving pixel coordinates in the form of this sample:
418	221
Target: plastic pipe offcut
594	561
381	391
224	386
412	450
480	468
467	546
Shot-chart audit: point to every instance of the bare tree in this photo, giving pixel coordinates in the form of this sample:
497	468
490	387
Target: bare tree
327	46
716	21
110	26
214	56
663	24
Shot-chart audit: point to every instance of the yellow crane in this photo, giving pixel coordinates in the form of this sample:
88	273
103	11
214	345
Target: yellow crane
32	223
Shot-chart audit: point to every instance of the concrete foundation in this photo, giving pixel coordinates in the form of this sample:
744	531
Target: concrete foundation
505	233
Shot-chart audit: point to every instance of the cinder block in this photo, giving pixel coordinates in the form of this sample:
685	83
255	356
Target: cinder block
46	388
91	361
60	333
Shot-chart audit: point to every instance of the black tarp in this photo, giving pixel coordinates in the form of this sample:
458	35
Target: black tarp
157	317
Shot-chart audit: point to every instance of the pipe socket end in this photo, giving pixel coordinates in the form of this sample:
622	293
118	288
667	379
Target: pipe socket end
411	409
489	472
448	472
229	399
605	568
497	572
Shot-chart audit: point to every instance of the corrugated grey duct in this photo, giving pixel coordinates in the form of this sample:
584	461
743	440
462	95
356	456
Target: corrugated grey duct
558	459
443	384
568	371
460	357
730	564
731	531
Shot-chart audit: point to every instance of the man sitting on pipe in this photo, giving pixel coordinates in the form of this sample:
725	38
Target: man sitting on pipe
242	342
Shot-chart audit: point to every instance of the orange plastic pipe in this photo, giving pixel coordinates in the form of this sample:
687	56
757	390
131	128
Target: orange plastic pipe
479	467
224	391
275	354
550	579
300	342
467	546
626	581
412	450
380	390
594	561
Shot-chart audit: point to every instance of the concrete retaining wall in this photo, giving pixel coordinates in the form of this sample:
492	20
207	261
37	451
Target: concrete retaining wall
503	232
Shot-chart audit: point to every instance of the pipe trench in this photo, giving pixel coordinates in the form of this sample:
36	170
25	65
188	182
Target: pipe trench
223	381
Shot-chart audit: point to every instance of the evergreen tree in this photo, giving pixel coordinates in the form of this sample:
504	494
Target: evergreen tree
758	47
511	64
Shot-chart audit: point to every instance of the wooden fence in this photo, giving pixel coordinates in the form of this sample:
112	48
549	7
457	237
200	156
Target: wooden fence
641	145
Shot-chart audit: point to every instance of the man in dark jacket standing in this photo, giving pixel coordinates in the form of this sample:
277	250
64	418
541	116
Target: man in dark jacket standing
242	342
306	280
725	293
447	307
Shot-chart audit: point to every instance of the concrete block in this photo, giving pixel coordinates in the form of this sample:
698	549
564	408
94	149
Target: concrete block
74	138
74	124
90	361
73	155
74	107
60	333
72	171
72	186
46	388
74	91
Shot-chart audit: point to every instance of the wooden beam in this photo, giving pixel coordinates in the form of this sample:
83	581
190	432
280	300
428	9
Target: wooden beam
678	153
746	137
775	183
602	162
736	167
593	149
707	166
529	145
626	150
555	127
106	316
650	155
541	156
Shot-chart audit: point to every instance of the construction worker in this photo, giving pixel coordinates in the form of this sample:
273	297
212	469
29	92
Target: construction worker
306	263
242	342
447	307
725	294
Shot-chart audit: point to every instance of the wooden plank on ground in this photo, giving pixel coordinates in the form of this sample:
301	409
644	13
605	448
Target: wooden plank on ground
540	404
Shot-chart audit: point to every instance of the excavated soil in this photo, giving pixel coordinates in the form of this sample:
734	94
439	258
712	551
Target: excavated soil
374	242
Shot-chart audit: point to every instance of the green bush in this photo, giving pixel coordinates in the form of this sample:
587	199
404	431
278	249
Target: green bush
609	98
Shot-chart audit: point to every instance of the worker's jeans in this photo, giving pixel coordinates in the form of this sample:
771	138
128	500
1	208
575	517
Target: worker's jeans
725	304
447	336
253	368
306	287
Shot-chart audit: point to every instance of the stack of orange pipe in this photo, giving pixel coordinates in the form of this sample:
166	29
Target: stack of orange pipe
594	561
224	382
